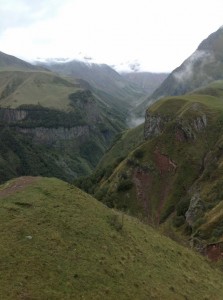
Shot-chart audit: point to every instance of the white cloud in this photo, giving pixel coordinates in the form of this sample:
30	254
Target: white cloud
160	34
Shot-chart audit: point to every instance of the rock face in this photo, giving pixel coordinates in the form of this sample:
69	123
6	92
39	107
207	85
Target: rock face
154	124
52	136
195	210
12	115
185	129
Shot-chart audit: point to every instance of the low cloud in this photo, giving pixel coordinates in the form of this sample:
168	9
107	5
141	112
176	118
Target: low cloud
134	121
198	58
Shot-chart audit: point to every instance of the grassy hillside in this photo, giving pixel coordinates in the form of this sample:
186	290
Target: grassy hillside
176	173
12	63
33	88
59	243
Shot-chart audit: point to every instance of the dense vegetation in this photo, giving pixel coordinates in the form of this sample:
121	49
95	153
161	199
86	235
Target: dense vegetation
59	122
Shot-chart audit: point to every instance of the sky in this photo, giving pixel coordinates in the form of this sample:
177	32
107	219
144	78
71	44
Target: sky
159	34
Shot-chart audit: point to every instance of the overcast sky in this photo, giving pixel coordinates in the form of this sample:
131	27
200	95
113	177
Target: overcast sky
158	33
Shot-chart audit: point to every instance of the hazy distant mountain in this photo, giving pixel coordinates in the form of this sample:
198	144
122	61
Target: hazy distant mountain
202	67
108	83
9	62
148	81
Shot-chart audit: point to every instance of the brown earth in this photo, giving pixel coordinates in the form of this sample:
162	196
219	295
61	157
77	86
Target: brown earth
163	162
17	185
143	181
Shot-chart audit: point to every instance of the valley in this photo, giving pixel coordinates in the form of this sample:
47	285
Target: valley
94	206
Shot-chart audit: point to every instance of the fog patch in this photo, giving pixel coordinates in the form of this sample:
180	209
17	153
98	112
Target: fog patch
199	58
134	121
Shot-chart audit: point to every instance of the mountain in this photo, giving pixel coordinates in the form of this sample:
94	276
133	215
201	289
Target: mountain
148	81
12	63
52	125
173	175
202	67
59	243
107	83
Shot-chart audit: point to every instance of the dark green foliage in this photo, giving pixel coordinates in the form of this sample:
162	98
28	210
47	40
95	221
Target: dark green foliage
18	156
169	210
80	97
218	230
124	185
91	151
138	154
39	116
182	206
178	221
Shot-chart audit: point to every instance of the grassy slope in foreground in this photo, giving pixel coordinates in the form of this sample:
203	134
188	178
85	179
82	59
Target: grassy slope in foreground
59	243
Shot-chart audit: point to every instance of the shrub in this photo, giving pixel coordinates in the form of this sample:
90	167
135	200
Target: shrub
178	221
138	154
182	206
124	185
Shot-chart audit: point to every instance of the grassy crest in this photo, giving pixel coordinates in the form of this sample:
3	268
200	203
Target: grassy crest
59	243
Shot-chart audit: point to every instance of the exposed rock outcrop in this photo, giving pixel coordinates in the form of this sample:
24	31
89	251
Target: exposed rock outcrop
50	136
12	115
186	130
195	210
154	124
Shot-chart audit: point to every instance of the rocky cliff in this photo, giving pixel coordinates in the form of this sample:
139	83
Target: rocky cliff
66	144
175	174
12	115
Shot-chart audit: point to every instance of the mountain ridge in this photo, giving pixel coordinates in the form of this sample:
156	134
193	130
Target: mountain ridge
201	68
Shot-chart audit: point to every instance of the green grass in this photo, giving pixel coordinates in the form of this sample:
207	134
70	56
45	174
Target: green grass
59	243
35	88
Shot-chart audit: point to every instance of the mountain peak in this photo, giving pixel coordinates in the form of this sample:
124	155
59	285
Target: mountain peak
214	42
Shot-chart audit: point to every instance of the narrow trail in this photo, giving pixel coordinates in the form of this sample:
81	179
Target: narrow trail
17	185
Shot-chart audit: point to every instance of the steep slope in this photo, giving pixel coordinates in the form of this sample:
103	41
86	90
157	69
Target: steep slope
52	125
176	173
107	82
149	82
59	243
12	63
202	67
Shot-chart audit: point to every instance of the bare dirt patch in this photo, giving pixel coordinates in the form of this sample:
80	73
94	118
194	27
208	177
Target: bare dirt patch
17	185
